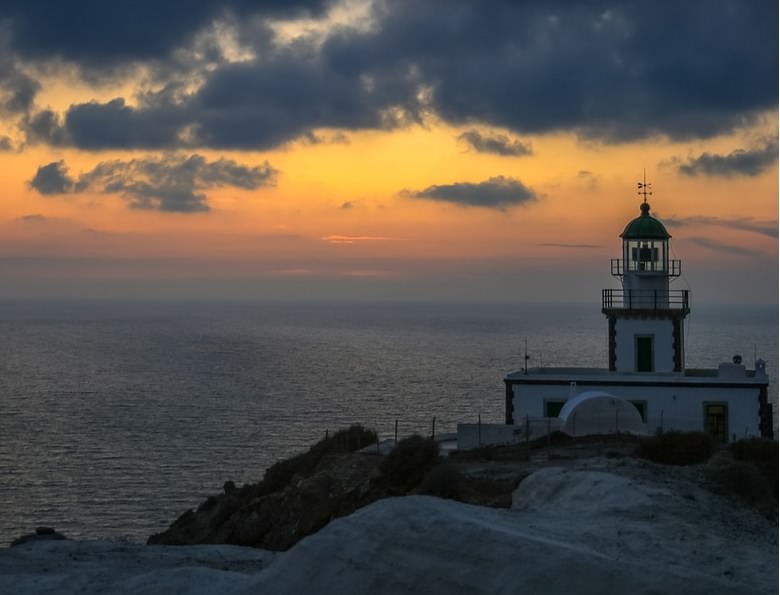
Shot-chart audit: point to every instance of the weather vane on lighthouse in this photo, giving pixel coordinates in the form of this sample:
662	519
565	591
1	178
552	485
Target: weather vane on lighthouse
644	186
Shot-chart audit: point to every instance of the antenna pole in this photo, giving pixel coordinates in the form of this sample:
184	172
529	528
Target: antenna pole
644	186
525	364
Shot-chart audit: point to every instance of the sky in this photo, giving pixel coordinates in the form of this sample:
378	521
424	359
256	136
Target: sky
404	150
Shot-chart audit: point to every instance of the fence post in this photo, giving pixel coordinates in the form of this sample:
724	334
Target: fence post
479	430
396	432
527	430
574	423
617	410
433	427
549	434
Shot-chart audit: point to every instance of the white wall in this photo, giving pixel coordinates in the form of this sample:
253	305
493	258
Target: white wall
662	331
670	408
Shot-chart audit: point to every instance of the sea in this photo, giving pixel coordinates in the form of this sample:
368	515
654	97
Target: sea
116	417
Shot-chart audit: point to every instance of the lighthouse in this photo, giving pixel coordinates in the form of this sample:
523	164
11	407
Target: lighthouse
646	317
645	386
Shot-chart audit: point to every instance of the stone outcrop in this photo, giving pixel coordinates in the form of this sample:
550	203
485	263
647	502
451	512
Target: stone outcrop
276	520
41	533
299	496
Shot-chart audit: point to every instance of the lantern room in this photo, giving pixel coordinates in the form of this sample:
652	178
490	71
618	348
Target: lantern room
646	244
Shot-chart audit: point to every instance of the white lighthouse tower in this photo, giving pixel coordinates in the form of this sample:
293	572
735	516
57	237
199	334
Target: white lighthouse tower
645	317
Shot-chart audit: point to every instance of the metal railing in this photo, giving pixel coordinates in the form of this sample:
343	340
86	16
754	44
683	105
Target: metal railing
619	268
641	299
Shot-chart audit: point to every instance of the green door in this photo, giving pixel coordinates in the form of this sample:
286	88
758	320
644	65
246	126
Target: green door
716	421
644	354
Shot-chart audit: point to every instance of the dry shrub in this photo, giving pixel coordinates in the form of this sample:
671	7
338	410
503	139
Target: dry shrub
347	440
409	462
443	481
677	448
763	453
746	481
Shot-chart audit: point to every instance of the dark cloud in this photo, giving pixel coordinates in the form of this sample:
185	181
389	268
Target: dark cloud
17	88
724	248
52	179
95	126
110	33
6	144
606	70
614	71
256	105
741	162
171	183
498	144
765	228
44	127
348	205
577	246
496	193
18	91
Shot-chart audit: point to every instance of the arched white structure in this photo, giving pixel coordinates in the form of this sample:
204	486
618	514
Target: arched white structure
598	412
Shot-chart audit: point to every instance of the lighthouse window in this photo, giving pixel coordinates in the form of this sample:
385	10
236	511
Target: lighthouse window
644	256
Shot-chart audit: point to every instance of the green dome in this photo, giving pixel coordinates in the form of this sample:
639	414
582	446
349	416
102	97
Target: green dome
645	227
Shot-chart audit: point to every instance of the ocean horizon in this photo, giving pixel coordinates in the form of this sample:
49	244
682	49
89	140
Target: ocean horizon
120	415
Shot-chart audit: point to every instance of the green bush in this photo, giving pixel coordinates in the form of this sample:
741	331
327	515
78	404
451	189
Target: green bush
407	464
677	448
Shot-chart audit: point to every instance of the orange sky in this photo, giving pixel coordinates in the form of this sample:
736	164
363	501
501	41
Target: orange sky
343	214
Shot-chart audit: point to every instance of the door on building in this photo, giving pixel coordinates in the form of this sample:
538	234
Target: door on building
716	421
644	354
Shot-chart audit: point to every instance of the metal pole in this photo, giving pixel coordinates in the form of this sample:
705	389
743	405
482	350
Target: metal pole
527	429
479	429
396	432
433	427
549	436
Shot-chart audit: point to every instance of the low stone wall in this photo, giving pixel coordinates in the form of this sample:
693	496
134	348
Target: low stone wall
476	435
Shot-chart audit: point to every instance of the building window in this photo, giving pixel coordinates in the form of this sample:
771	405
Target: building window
644	353
641	406
553	408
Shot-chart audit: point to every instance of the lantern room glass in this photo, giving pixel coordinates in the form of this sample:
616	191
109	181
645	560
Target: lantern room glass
646	255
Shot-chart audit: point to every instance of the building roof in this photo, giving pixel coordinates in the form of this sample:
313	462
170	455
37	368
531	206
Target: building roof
645	227
603	376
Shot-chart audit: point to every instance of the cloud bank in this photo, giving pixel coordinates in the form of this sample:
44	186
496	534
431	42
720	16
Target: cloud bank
496	193
740	162
221	75
168	184
497	144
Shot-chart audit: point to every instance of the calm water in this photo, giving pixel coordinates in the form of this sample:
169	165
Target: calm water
117	417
